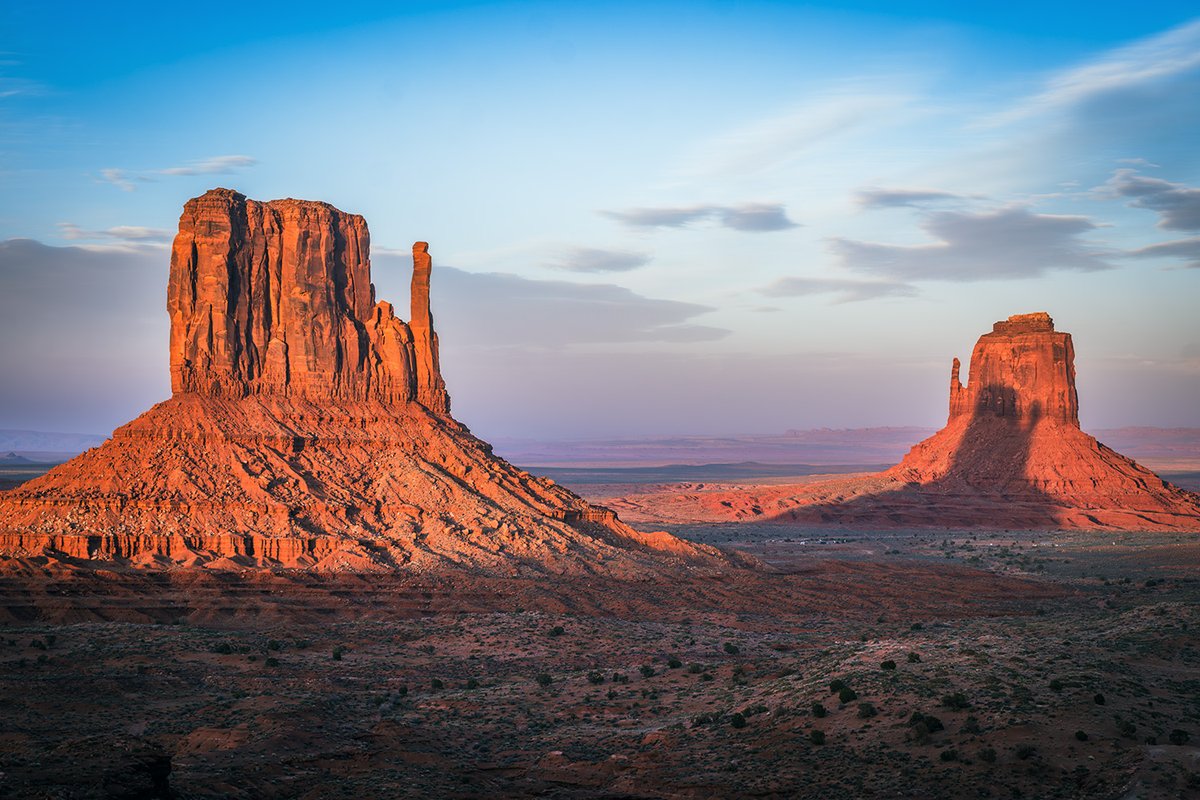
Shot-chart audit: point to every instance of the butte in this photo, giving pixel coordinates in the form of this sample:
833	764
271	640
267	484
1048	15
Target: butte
1012	455
309	427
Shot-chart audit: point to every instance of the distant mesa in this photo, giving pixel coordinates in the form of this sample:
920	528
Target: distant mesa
1011	455
310	427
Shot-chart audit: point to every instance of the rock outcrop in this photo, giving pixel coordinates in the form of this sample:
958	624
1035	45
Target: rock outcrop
1011	455
309	427
1023	370
276	299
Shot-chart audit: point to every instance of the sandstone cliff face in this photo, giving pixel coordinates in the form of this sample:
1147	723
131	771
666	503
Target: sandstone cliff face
310	428
1023	370
276	299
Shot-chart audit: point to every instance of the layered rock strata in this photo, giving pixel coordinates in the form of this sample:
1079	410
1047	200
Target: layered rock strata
309	427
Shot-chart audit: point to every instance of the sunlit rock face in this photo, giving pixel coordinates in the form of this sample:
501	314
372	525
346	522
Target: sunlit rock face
310	427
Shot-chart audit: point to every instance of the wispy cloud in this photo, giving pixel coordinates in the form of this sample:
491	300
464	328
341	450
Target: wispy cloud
753	217
847	290
217	165
1178	205
772	142
127	180
1010	242
1186	249
546	315
592	259
1155	58
118	178
124	233
897	197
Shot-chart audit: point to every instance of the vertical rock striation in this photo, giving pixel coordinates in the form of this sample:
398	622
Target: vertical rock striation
276	299
1022	371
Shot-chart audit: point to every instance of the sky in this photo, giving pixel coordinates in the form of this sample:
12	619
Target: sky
645	218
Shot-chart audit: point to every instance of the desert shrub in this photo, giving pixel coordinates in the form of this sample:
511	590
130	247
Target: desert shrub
816	737
819	710
402	691
730	648
646	670
916	626
949	755
923	726
705	718
737	720
866	710
847	694
338	652
595	677
956	701
1178	737
543	679
970	725
1025	752
437	684
757	708
1127	728
274	644
37	644
695	669
987	755
620	677
224	648
674	663
272	661
913	658
836	685
889	664
1081	736
557	630
1056	685
1098	699
472	683
706	677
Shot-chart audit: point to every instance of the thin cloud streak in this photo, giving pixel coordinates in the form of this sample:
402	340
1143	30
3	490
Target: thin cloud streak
750	217
901	198
847	290
125	180
592	259
1157	57
124	233
1186	249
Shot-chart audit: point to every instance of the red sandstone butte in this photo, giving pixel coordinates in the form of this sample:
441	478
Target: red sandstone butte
310	427
1011	455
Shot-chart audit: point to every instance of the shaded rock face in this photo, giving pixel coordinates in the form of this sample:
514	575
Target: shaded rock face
1022	371
310	428
1011	455
1012	444
276	298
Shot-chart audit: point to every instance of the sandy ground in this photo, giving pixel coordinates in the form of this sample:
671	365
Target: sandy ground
1012	638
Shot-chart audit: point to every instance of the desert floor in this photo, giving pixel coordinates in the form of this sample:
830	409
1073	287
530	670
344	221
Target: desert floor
1025	665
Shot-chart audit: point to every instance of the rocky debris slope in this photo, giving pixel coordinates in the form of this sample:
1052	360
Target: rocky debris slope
309	427
1012	455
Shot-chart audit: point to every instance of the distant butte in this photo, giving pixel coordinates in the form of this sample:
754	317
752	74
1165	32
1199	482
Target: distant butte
310	427
1011	455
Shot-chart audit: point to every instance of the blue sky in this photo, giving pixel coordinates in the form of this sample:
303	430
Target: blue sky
650	218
